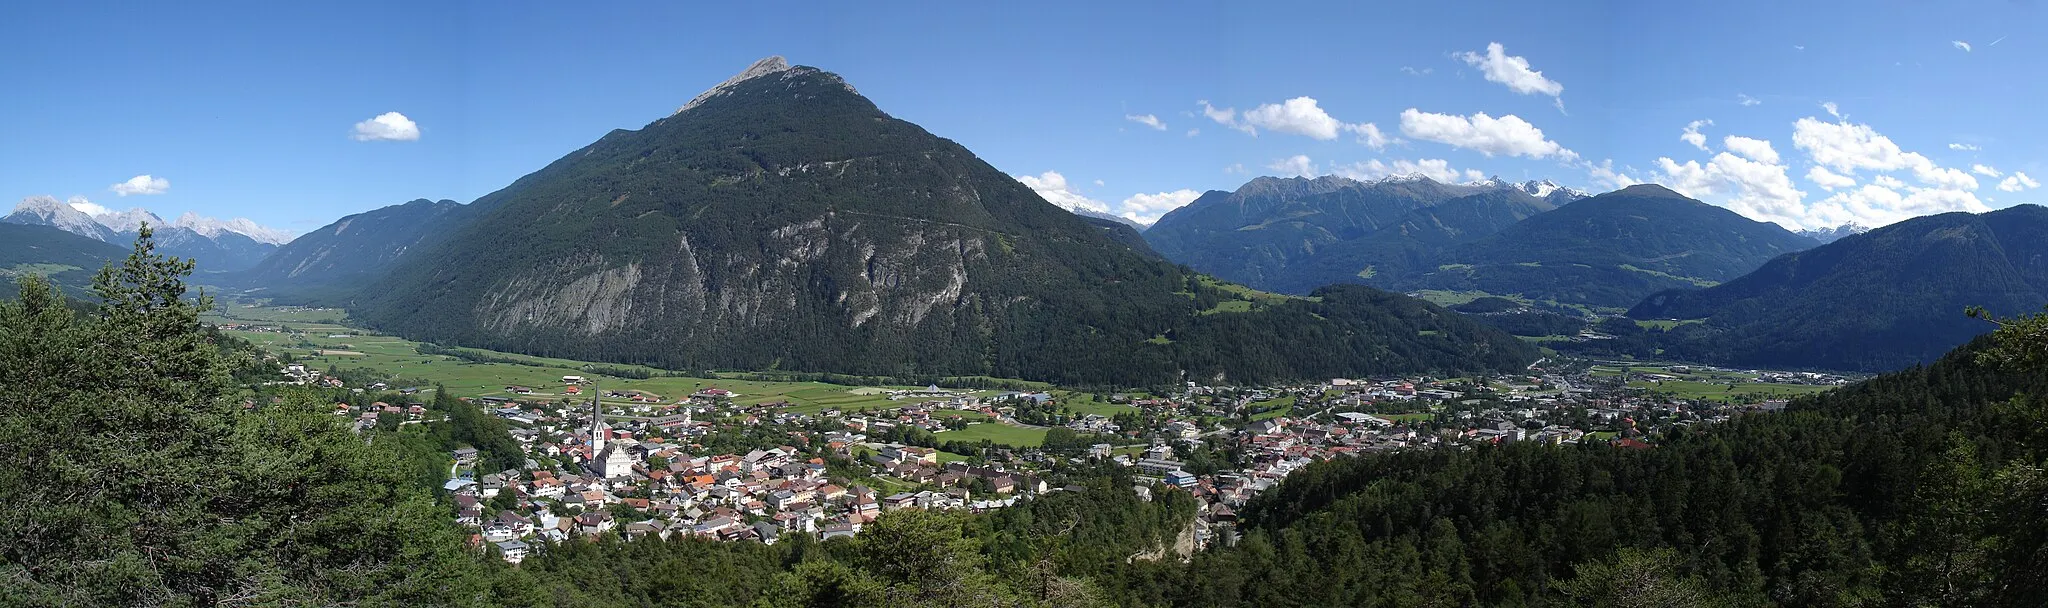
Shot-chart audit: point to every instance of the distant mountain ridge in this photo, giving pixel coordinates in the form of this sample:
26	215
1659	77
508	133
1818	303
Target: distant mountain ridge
1882	300
782	221
326	265
218	245
1293	235
1830	235
67	259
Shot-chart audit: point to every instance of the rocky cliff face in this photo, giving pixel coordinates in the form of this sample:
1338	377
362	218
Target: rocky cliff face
781	220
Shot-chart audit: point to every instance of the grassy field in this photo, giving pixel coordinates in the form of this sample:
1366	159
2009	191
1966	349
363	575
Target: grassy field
1716	391
1106	409
1285	405
1666	324
463	378
1002	434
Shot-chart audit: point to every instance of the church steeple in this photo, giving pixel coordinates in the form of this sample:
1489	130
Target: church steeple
597	428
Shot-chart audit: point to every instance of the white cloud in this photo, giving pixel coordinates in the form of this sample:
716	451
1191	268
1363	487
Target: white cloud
1098	182
1194	132
1754	188
1237	168
1877	205
1147	120
1370	135
1758	150
1146	208
1605	176
2019	181
1300	116
1693	136
1434	168
1224	116
1513	71
1985	170
1886	181
141	184
1965	46
1054	188
1508	135
1415	72
1964	147
1298	165
1833	110
1746	100
87	207
1828	180
389	126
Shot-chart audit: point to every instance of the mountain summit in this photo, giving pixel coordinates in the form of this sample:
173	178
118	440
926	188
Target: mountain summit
782	221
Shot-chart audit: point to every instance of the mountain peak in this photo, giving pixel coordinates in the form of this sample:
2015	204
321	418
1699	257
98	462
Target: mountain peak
767	65
130	220
1646	190
48	211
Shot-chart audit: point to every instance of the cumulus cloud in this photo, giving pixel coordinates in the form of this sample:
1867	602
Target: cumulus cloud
389	126
1758	150
1370	135
1965	46
1754	188
1693	136
1147	120
1605	176
87	206
1886	181
141	184
1147	208
1964	147
1235	168
1510	70
1507	136
1828	180
2019	181
1878	205
1849	147
1985	170
1298	165
1053	187
1299	116
1833	110
1434	168
1746	100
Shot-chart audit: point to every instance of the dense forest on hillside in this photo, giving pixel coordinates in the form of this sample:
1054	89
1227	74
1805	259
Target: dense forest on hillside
137	472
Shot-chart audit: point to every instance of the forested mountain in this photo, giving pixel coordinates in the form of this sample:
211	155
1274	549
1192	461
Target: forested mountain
1293	235
66	259
781	220
1610	251
1882	300
1922	488
328	264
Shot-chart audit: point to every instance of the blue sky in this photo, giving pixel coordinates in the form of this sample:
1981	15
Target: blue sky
251	109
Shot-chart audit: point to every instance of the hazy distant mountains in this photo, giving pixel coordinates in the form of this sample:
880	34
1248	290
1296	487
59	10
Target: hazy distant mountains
1830	235
218	245
783	221
1882	300
327	264
1533	240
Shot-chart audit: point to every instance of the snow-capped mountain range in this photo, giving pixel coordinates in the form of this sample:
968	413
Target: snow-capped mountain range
219	245
1830	235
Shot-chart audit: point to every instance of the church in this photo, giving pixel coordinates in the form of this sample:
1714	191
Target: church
608	459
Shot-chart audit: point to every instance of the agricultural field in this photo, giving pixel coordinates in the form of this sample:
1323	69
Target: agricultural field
1000	433
321	346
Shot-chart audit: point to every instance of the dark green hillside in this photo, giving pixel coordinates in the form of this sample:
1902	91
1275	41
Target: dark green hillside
1882	300
1294	235
783	221
326	265
1922	488
1611	250
66	259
